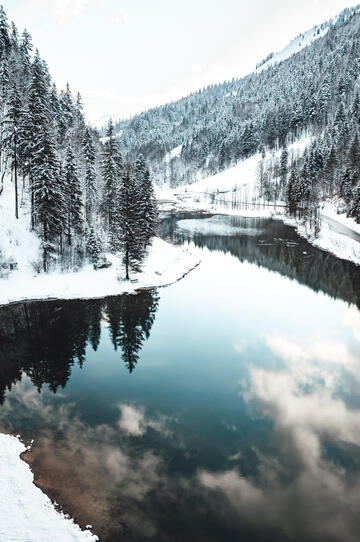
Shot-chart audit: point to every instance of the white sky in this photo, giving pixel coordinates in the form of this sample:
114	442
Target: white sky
125	56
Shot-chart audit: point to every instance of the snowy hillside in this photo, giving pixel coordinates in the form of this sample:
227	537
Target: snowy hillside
295	45
245	173
304	40
225	123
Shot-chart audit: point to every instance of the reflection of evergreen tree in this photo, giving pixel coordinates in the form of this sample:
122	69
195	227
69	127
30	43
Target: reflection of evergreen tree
113	313
131	335
45	339
95	323
274	249
130	321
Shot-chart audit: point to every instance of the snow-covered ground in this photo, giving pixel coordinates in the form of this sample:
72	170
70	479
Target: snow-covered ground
26	513
329	210
164	265
176	151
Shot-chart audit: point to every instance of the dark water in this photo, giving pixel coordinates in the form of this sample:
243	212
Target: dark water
224	407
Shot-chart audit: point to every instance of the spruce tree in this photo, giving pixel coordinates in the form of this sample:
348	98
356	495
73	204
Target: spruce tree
90	176
93	246
111	168
148	215
355	205
74	221
283	168
12	125
346	185
49	200
4	34
36	126
128	224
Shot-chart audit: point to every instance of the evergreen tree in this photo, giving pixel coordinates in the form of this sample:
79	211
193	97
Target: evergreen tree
111	172
48	199
290	194
12	125
128	224
354	211
36	124
93	246
283	168
74	222
90	177
4	34
346	185
148	215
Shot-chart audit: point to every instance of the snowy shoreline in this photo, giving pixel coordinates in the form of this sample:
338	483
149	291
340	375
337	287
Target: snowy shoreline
39	520
339	244
164	265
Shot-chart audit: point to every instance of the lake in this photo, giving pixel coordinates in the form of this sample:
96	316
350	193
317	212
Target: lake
223	407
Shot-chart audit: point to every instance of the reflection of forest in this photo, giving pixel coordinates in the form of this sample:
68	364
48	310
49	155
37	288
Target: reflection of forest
280	249
44	339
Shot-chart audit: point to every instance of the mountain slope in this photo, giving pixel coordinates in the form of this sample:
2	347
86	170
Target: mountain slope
222	124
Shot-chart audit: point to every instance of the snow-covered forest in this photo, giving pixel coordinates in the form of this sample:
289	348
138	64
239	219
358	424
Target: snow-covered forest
80	197
314	92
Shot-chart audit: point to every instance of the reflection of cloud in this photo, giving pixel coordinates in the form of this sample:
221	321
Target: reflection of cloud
134	422
83	465
240	346
301	401
323	354
352	320
236	488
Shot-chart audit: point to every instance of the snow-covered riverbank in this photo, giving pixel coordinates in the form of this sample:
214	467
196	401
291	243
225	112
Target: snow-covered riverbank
338	241
164	265
26	513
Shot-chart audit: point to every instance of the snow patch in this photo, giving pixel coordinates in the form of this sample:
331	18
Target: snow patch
176	151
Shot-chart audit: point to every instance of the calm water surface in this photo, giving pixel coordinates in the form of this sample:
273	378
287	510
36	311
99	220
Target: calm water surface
224	407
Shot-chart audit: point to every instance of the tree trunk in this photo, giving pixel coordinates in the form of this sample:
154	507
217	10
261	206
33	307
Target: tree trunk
16	179
45	249
127	261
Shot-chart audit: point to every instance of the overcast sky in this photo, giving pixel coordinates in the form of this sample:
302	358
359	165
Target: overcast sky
125	56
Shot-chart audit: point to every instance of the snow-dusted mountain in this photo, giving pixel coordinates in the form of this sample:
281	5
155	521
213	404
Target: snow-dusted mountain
224	123
295	45
305	39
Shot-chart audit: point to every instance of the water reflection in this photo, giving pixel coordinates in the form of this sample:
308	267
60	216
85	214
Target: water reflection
242	421
272	245
44	340
309	465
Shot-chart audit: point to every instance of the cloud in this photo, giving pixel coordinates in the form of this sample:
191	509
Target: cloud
240	346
